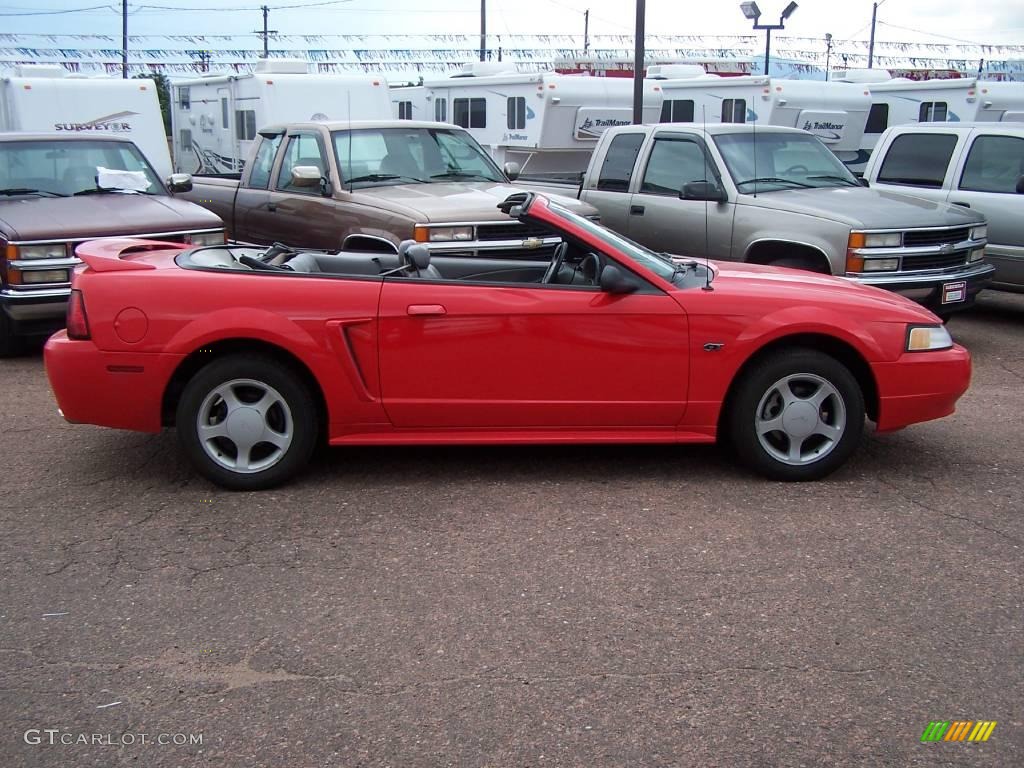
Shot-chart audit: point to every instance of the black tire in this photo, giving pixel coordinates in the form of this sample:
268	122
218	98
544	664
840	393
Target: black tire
753	399
10	345
248	375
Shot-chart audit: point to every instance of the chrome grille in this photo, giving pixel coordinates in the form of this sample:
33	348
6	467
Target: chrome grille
934	261
922	237
514	230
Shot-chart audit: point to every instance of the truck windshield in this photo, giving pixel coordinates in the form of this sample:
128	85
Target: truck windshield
764	161
372	156
67	167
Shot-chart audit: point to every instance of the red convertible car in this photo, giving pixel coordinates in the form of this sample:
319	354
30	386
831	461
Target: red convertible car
257	354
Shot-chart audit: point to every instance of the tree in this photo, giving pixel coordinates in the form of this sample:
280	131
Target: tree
163	93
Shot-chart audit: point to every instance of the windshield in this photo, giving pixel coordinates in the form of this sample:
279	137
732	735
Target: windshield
769	161
66	167
659	264
372	156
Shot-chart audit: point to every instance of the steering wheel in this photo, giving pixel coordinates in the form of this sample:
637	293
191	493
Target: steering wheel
556	264
591	267
797	169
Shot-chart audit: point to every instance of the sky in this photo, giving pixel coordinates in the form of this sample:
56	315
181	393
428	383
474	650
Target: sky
984	21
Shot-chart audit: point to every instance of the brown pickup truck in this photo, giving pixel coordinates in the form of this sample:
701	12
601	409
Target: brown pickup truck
57	190
367	186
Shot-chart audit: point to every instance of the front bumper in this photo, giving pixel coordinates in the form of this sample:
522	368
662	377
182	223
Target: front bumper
921	386
927	289
34	313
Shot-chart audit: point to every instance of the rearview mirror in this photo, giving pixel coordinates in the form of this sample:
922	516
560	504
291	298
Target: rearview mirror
512	170
617	280
1020	186
305	176
180	182
702	190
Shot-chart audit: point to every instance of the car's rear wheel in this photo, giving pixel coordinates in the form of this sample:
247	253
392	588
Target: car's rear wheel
797	415
247	422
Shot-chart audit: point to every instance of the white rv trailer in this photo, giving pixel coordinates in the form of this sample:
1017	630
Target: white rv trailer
49	98
897	101
547	123
834	112
215	118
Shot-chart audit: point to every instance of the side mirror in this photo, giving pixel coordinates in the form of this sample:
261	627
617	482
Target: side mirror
863	182
512	170
180	182
1020	186
703	190
616	280
305	176
418	256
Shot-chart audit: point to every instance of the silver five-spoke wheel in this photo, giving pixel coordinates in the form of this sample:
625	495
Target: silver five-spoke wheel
245	425
800	419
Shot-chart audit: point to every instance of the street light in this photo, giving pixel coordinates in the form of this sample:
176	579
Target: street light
752	12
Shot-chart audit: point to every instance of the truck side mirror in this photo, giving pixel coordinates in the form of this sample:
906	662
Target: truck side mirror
703	190
180	182
512	170
616	280
863	182
1020	186
305	176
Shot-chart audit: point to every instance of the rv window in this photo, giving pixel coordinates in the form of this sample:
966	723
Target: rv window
932	111
878	118
184	98
734	110
994	164
405	110
677	111
259	177
185	139
516	112
224	112
245	124
918	159
441	110
617	168
672	164
470	113
302	149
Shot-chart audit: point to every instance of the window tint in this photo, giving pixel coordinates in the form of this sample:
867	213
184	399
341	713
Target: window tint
470	113
184	98
672	164
734	110
259	178
618	163
405	110
441	110
677	111
918	159
224	113
932	111
516	112
994	164
302	149
878	118
245	124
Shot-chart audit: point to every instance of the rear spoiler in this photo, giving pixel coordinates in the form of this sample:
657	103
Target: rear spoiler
114	254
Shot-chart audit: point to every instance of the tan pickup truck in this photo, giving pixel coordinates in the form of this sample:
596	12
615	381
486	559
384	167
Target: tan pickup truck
367	186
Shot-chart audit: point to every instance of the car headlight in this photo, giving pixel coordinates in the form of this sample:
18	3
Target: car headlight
37	251
883	240
926	338
443	234
206	238
881	265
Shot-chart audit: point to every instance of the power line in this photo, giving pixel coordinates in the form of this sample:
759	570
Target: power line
65	11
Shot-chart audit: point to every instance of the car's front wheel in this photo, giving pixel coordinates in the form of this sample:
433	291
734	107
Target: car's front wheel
796	415
247	422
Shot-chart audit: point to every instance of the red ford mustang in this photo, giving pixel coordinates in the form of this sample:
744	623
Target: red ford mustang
256	354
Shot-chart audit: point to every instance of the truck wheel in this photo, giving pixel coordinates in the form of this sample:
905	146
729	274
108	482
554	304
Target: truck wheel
796	415
9	344
247	422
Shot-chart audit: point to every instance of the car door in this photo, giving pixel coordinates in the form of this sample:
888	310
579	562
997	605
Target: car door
986	180
256	221
610	192
458	354
659	219
919	164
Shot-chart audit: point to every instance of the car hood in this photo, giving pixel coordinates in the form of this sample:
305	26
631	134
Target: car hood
457	201
861	207
101	215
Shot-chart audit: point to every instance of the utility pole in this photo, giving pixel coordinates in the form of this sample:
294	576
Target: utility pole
828	52
871	45
483	30
124	39
638	63
266	33
586	31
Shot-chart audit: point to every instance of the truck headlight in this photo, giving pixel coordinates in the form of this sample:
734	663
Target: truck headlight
881	265
425	234
979	233
883	240
206	238
37	251
925	338
36	276
977	255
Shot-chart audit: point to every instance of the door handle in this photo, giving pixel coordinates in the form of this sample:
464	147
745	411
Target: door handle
965	205
426	309
271	207
636	210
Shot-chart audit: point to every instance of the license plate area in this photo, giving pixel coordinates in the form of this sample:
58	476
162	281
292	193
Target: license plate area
954	293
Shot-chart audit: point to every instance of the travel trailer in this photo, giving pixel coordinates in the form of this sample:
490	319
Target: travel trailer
898	101
834	112
46	98
546	122
215	118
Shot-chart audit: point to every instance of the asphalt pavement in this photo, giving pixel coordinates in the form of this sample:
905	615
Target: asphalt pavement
569	606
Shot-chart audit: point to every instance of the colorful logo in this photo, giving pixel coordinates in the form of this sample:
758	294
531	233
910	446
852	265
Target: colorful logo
958	730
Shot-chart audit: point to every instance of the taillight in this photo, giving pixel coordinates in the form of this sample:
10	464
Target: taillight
77	321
